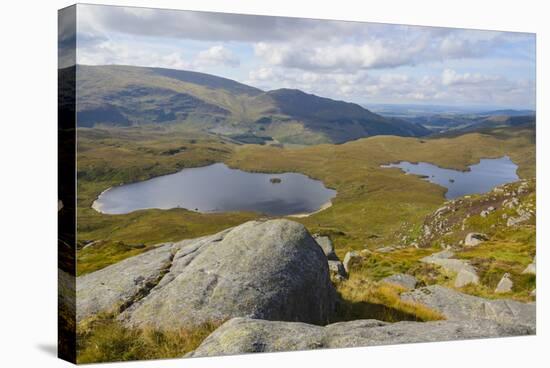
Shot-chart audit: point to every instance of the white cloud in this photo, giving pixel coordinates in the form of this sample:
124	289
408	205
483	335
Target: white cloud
217	55
364	87
408	46
346	60
451	77
338	56
109	52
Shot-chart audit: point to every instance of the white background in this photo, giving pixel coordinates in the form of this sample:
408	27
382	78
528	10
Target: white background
28	84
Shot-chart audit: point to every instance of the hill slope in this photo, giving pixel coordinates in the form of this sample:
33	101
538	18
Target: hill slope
338	119
125	95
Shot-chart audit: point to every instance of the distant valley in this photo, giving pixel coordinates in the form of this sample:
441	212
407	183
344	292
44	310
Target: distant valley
440	119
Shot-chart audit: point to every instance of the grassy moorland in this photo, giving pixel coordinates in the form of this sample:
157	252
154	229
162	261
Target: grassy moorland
377	206
374	206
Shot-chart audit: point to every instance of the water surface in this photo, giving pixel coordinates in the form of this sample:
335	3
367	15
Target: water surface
218	188
479	178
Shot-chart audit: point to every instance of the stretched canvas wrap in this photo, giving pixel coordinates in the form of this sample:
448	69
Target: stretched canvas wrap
235	184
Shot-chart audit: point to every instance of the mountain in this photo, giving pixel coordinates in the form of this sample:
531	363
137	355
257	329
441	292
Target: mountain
125	96
339	119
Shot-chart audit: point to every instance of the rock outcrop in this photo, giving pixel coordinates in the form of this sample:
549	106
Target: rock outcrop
350	259
531	269
508	205
326	244
473	239
465	277
243	335
337	271
405	281
505	284
271	270
523	216
459	306
466	274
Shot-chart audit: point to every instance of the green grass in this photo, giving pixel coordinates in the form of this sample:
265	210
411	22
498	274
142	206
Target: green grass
105	253
376	201
376	266
493	259
374	206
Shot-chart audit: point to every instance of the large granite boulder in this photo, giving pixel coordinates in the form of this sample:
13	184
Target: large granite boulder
459	306
244	335
271	270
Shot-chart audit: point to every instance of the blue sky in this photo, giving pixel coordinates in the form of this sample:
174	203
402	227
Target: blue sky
365	63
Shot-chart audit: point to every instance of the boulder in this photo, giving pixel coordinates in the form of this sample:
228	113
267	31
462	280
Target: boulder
326	244
531	269
407	282
511	203
445	254
388	249
244	335
486	212
350	259
505	284
523	217
458	266
474	239
270	270
337	270
455	305
466	277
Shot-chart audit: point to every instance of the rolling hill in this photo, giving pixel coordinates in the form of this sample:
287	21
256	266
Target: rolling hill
467	122
127	96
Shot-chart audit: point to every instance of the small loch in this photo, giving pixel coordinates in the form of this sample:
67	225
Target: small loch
218	188
479	178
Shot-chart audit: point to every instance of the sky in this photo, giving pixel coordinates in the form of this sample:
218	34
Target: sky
366	63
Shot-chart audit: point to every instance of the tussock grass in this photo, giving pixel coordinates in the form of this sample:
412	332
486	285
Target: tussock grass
106	340
376	266
366	299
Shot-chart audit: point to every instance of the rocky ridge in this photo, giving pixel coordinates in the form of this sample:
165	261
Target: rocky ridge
513	204
243	335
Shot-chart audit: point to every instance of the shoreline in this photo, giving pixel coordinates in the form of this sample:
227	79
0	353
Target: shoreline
95	206
303	215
